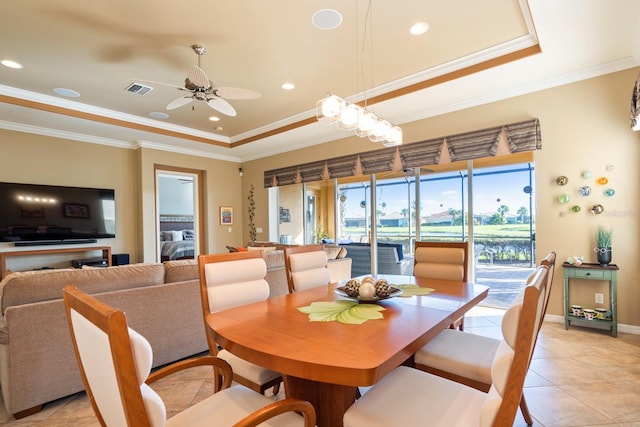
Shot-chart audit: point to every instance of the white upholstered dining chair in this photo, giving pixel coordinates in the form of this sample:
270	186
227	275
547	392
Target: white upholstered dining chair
467	358
409	397
229	280
445	261
115	362
306	267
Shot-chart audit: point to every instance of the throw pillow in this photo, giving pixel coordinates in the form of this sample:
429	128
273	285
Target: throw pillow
332	251
176	236
342	253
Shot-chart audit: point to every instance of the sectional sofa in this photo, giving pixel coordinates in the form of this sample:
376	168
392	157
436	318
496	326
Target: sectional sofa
161	300
37	363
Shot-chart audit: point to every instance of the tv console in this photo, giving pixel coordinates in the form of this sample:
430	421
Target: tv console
106	254
55	242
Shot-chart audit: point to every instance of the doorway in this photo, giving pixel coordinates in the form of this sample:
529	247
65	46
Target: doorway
179	202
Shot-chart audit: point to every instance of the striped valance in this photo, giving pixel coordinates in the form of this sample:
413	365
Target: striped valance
519	137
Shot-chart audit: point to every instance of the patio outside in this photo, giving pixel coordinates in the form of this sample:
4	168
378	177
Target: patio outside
504	282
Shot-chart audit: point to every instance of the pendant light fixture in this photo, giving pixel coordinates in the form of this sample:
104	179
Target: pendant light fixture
352	117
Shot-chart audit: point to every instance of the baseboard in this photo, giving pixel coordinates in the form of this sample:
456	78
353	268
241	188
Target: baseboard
627	329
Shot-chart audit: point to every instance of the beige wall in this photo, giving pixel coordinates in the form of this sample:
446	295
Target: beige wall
221	188
585	126
38	159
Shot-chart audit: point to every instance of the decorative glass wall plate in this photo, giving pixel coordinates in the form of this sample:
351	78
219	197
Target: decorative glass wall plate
564	198
575	208
562	180
610	168
603	180
597	209
584	191
609	192
586	174
563	213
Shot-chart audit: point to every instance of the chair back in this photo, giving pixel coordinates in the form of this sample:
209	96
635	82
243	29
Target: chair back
550	261
306	267
441	260
229	280
511	361
114	362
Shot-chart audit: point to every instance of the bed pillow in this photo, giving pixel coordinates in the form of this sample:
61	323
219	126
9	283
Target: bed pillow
167	236
187	234
176	236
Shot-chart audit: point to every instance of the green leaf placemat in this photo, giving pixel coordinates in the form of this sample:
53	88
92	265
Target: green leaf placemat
343	311
411	290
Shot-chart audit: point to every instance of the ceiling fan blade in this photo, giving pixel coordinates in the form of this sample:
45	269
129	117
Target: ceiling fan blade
179	102
198	77
222	106
236	93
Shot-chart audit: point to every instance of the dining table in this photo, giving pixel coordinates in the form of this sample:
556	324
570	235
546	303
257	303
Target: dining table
326	362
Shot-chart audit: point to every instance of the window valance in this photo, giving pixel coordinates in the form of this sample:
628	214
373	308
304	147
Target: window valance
520	136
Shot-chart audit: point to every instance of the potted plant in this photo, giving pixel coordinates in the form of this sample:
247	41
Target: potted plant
603	245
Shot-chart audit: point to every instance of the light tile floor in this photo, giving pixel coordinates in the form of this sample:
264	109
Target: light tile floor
580	377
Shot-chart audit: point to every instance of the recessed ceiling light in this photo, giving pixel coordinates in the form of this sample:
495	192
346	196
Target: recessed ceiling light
288	86
11	64
327	19
214	118
159	115
419	28
219	128
69	93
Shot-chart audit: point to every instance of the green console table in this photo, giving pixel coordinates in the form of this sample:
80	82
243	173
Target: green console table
592	271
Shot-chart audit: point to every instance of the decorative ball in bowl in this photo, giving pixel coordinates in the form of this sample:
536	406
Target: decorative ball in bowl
368	289
574	260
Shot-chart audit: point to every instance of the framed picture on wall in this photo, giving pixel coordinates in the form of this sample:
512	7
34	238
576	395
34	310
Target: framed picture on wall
226	215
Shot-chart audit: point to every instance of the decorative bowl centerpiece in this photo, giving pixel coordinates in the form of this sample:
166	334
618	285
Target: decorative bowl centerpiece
368	290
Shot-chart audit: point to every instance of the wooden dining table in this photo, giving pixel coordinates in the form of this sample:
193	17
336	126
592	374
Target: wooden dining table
325	362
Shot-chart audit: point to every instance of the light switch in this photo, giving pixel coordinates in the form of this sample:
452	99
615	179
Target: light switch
229	229
258	229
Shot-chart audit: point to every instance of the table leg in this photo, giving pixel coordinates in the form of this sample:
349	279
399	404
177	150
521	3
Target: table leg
329	400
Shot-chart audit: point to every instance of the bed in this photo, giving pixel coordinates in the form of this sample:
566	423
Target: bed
176	237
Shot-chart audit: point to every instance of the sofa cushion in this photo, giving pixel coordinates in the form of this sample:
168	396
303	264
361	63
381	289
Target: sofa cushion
43	285
180	270
334	251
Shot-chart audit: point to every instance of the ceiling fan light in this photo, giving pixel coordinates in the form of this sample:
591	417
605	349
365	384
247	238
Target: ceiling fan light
328	109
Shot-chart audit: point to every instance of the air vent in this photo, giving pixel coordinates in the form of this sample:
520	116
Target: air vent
138	88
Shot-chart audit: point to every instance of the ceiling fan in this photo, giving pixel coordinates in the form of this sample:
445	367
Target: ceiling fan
200	88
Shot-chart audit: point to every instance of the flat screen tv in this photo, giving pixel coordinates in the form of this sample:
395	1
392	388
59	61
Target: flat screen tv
45	214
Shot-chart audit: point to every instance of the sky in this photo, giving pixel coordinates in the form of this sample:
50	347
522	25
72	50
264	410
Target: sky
490	192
